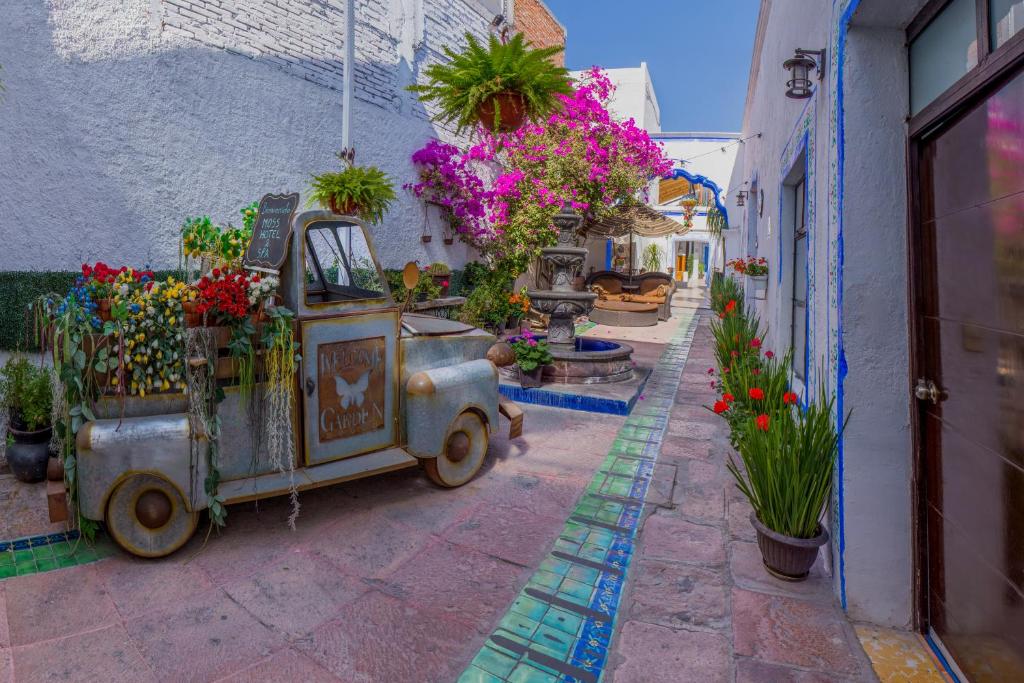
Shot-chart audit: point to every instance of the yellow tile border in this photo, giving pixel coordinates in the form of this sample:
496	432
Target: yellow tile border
900	656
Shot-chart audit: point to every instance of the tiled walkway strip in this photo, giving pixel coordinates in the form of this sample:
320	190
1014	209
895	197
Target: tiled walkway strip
35	554
560	625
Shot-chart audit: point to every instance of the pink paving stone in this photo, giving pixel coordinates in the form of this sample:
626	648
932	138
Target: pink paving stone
665	537
102	655
700	503
676	447
513	535
678	596
756	671
793	632
655	654
140	586
379	638
748	572
296	592
286	665
663	483
694	413
6	666
689	429
540	494
738	516
5	633
365	543
205	637
458	580
57	603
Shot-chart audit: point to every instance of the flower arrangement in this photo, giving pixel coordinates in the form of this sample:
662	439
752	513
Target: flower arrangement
497	86
753	266
224	296
531	353
151	339
217	246
364	191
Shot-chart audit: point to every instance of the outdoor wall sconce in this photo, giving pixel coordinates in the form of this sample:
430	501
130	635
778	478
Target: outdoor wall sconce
799	66
741	198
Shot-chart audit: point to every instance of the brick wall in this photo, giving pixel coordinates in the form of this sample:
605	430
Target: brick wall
394	38
539	25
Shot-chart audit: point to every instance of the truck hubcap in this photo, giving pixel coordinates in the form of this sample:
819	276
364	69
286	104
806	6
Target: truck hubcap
153	509
458	446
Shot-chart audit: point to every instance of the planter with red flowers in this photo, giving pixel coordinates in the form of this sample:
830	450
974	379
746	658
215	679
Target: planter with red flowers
756	270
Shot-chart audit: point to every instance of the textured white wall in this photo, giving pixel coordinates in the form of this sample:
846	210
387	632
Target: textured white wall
877	447
122	118
634	97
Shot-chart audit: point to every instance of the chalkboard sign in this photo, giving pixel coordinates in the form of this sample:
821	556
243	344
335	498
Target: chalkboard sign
272	232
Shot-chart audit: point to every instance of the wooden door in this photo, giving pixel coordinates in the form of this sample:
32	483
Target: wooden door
968	256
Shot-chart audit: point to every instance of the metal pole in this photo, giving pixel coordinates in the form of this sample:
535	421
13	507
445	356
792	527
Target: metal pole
349	65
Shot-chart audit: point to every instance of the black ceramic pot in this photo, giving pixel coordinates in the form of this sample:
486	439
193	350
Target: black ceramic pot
29	454
531	379
785	557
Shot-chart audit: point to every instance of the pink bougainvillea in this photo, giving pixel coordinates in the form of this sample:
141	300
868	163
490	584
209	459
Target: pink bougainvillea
578	157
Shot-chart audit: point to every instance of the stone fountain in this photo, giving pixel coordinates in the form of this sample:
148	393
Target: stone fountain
577	360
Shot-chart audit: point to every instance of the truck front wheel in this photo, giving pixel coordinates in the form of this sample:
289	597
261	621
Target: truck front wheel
464	452
146	516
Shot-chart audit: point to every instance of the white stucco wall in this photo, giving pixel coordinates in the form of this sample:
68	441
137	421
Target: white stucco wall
859	299
634	96
122	118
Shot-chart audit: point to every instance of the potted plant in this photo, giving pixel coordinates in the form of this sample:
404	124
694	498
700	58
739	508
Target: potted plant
532	355
788	457
441	274
653	255
27	395
498	86
363	191
518	307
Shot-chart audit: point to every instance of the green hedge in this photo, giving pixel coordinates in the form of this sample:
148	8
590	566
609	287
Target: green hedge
18	289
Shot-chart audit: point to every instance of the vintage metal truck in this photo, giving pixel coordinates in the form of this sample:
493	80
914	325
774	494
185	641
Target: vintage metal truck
378	391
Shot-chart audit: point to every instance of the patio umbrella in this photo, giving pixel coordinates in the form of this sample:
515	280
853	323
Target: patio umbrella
640	220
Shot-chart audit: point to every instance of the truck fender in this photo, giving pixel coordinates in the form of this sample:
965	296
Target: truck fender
434	398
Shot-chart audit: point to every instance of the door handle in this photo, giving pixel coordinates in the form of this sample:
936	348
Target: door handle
927	390
310	386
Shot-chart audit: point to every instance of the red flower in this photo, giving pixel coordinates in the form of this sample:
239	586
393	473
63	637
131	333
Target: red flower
711	384
731	306
711	371
789	397
762	422
725	369
756	394
769	355
728	398
722	316
721	407
756	371
734	353
755	342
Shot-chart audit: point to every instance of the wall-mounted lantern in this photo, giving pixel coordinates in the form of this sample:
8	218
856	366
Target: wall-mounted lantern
741	198
799	66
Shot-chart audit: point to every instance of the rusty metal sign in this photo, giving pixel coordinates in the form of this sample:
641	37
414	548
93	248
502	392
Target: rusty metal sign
351	382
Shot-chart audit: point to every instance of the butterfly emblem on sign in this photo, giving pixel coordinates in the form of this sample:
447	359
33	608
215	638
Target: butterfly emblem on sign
351	394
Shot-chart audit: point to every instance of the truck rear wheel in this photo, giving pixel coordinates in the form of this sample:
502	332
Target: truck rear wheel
464	452
146	516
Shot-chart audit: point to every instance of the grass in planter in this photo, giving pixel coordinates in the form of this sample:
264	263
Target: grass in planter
724	290
788	460
737	335
757	386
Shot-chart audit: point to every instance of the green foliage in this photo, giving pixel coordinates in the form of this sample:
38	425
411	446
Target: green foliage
531	352
439	268
26	392
424	290
788	460
735	333
724	290
690	265
475	273
653	256
716	222
367	188
477	73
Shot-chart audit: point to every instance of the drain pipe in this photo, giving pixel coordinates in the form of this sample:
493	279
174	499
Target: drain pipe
349	67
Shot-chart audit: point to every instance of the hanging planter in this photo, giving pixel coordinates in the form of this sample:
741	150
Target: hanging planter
498	86
363	191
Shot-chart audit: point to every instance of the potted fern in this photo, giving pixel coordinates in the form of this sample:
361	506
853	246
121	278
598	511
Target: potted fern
363	191
498	86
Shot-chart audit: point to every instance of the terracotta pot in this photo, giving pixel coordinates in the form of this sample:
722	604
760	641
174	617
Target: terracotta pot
449	240
531	379
29	454
785	557
426	238
444	282
513	112
104	308
348	208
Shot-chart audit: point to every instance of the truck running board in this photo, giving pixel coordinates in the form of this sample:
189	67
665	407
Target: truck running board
356	467
514	414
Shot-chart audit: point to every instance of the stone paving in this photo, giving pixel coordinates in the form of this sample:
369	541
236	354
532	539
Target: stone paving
391	579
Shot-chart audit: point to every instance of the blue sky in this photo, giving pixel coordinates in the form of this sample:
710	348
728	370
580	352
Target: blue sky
698	52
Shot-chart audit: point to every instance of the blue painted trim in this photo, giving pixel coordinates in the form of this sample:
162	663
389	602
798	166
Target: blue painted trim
609	253
697	179
655	136
937	651
802	147
36	541
555	399
841	367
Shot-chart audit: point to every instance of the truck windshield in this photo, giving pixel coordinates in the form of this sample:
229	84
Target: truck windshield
338	264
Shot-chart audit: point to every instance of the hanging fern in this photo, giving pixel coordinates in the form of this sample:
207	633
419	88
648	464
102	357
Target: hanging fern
476	74
716	222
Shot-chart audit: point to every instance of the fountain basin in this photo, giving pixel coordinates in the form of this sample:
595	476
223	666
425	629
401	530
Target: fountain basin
587	361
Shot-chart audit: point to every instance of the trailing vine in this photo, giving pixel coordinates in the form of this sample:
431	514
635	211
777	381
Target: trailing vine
203	397
280	363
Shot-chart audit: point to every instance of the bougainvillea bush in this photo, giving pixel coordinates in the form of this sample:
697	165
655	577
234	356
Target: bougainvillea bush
503	192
